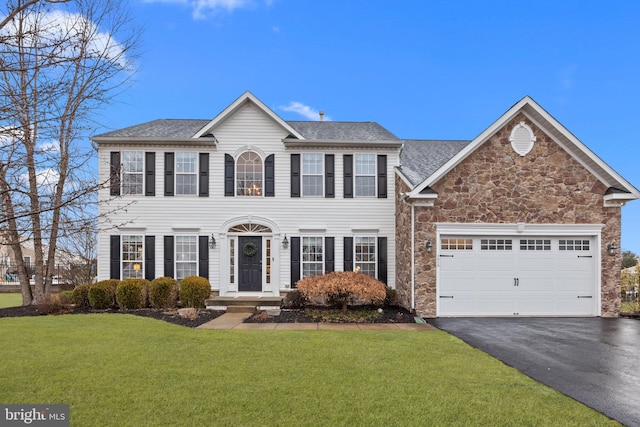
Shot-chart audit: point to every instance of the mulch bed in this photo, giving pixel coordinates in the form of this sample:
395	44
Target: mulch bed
166	315
388	315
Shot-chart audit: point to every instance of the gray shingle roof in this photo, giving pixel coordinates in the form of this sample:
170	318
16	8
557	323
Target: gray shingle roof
343	131
162	128
180	128
419	159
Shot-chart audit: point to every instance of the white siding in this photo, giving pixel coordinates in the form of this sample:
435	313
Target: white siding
250	128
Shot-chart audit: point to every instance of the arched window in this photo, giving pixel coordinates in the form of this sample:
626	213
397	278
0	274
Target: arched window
249	174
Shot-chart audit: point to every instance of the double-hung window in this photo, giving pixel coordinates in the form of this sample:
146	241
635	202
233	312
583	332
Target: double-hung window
365	255
132	172
312	174
186	256
132	257
365	175
186	173
312	256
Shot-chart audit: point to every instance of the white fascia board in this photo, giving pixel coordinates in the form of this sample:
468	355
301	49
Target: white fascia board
569	138
601	169
238	103
205	141
521	229
471	147
403	178
335	143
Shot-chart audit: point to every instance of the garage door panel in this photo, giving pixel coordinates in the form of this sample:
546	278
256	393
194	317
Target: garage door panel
531	277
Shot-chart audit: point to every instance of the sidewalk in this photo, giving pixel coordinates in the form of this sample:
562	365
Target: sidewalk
234	321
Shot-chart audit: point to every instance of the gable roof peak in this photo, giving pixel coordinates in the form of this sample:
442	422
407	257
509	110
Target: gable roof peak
246	97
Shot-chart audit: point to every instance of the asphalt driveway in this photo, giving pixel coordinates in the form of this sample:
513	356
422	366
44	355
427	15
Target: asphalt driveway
594	360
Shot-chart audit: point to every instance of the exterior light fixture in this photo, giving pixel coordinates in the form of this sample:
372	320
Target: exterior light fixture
429	245
285	242
212	242
612	248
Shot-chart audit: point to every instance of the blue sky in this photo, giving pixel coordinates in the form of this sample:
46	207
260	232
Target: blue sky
422	69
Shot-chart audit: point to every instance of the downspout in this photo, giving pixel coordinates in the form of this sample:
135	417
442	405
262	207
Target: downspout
413	259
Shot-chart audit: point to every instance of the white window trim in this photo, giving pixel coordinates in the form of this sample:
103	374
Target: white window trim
175	254
237	175
123	172
324	254
321	174
356	175
122	260
176	173
375	254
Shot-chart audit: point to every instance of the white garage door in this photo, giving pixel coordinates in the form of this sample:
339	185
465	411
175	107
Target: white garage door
517	276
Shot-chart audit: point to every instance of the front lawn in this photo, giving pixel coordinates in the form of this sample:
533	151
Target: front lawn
124	370
10	300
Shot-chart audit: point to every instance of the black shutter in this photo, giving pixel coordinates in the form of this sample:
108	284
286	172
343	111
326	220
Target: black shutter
348	254
382	176
295	175
269	176
382	259
348	176
149	174
204	175
229	180
168	173
149	257
329	176
114	174
114	257
203	256
168	256
330	254
295	260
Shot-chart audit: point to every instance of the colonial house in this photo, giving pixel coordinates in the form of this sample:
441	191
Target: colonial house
522	220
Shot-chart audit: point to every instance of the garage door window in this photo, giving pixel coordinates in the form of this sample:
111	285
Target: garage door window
496	244
456	244
535	245
573	245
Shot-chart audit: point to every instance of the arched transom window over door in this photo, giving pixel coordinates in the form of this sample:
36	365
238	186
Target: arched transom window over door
249	174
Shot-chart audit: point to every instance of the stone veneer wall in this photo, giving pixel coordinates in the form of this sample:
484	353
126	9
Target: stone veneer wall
496	185
403	245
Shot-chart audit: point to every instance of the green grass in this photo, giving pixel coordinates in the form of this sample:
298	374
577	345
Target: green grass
124	370
10	300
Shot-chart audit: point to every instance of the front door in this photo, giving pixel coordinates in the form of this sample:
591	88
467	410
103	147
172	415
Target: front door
250	255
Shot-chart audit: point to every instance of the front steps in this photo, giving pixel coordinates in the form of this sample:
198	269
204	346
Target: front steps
243	304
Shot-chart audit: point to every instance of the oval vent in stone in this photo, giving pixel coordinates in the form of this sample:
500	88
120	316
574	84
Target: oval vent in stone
522	139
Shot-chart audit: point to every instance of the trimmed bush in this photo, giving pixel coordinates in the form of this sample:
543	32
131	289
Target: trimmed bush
391	300
342	288
163	292
294	299
110	286
194	290
100	297
54	304
81	296
131	293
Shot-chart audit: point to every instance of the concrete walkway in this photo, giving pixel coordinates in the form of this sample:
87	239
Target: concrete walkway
234	321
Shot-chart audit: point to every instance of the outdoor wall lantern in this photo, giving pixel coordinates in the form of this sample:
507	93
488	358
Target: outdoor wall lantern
429	245
212	242
612	248
285	242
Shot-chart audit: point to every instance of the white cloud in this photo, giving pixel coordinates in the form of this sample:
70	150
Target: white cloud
303	110
48	147
204	8
66	30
